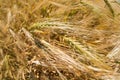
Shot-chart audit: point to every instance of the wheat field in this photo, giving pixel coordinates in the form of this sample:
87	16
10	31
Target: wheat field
59	40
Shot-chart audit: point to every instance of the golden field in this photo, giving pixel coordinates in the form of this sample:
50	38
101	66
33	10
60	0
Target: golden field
59	40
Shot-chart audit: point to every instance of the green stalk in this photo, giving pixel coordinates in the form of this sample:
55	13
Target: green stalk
110	7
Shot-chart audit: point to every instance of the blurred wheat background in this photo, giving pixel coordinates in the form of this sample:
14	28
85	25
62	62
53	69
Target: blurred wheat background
59	40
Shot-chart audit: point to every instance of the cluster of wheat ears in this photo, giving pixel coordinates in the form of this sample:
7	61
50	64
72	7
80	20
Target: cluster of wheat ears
59	40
